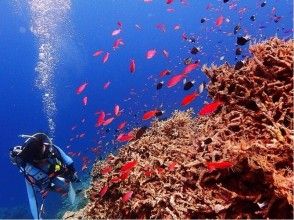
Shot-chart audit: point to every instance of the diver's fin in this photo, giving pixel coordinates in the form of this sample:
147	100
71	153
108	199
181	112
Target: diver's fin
71	194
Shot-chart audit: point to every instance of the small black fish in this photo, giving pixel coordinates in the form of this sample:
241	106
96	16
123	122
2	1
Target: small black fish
242	40
238	51
202	20
195	50
225	1
252	18
159	113
159	85
192	40
263	4
188	61
239	64
188	85
237	28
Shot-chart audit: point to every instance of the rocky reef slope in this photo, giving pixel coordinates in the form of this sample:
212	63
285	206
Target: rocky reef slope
250	137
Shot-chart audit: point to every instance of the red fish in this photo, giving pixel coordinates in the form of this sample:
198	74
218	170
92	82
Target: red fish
189	98
116	110
177	27
116	32
175	80
165	53
218	165
124	175
190	67
106	57
85	100
169	1
81	88
106	170
117	43
210	108
171	166
125	137
127	196
119	24
115	179
100	119
108	121
164	73
132	66
219	21
121	125
150	53
184	36
128	166
103	191
150	114
97	53
161	27
106	85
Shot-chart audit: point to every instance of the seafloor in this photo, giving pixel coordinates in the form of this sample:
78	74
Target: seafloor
252	131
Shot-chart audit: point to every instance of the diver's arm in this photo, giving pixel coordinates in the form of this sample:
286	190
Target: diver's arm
32	200
67	160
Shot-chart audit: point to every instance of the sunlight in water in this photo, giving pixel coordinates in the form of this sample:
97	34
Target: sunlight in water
47	19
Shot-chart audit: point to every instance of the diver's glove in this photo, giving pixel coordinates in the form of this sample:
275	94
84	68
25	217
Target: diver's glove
70	174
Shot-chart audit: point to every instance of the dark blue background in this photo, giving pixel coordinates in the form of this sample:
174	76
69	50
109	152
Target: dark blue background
90	24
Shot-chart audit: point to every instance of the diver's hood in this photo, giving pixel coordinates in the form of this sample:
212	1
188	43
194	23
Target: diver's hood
36	147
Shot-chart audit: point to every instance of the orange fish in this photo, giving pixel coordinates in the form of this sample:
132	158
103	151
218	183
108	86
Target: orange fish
115	179
103	191
210	108
150	114
132	66
218	165
219	21
128	166
101	118
116	110
175	80
169	1
170	10
164	73
165	53
108	121
106	57
97	53
189	98
106	85
171	166
190	67
117	43
125	137
121	125
124	175
127	196
81	88
116	32
150	53
119	24
85	100
177	27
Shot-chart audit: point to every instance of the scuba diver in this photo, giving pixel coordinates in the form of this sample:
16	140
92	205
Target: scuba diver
45	167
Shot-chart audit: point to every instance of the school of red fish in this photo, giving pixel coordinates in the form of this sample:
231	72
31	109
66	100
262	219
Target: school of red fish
105	118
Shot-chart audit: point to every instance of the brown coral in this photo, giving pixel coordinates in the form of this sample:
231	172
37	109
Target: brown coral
253	130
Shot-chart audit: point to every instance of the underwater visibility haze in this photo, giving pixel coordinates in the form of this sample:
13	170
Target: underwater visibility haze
87	73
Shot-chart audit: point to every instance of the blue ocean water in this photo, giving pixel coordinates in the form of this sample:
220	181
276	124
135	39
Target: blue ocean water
60	36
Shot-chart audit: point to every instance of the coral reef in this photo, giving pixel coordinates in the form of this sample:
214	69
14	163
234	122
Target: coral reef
168	176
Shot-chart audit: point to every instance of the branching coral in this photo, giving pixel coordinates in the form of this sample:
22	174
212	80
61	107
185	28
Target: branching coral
253	130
